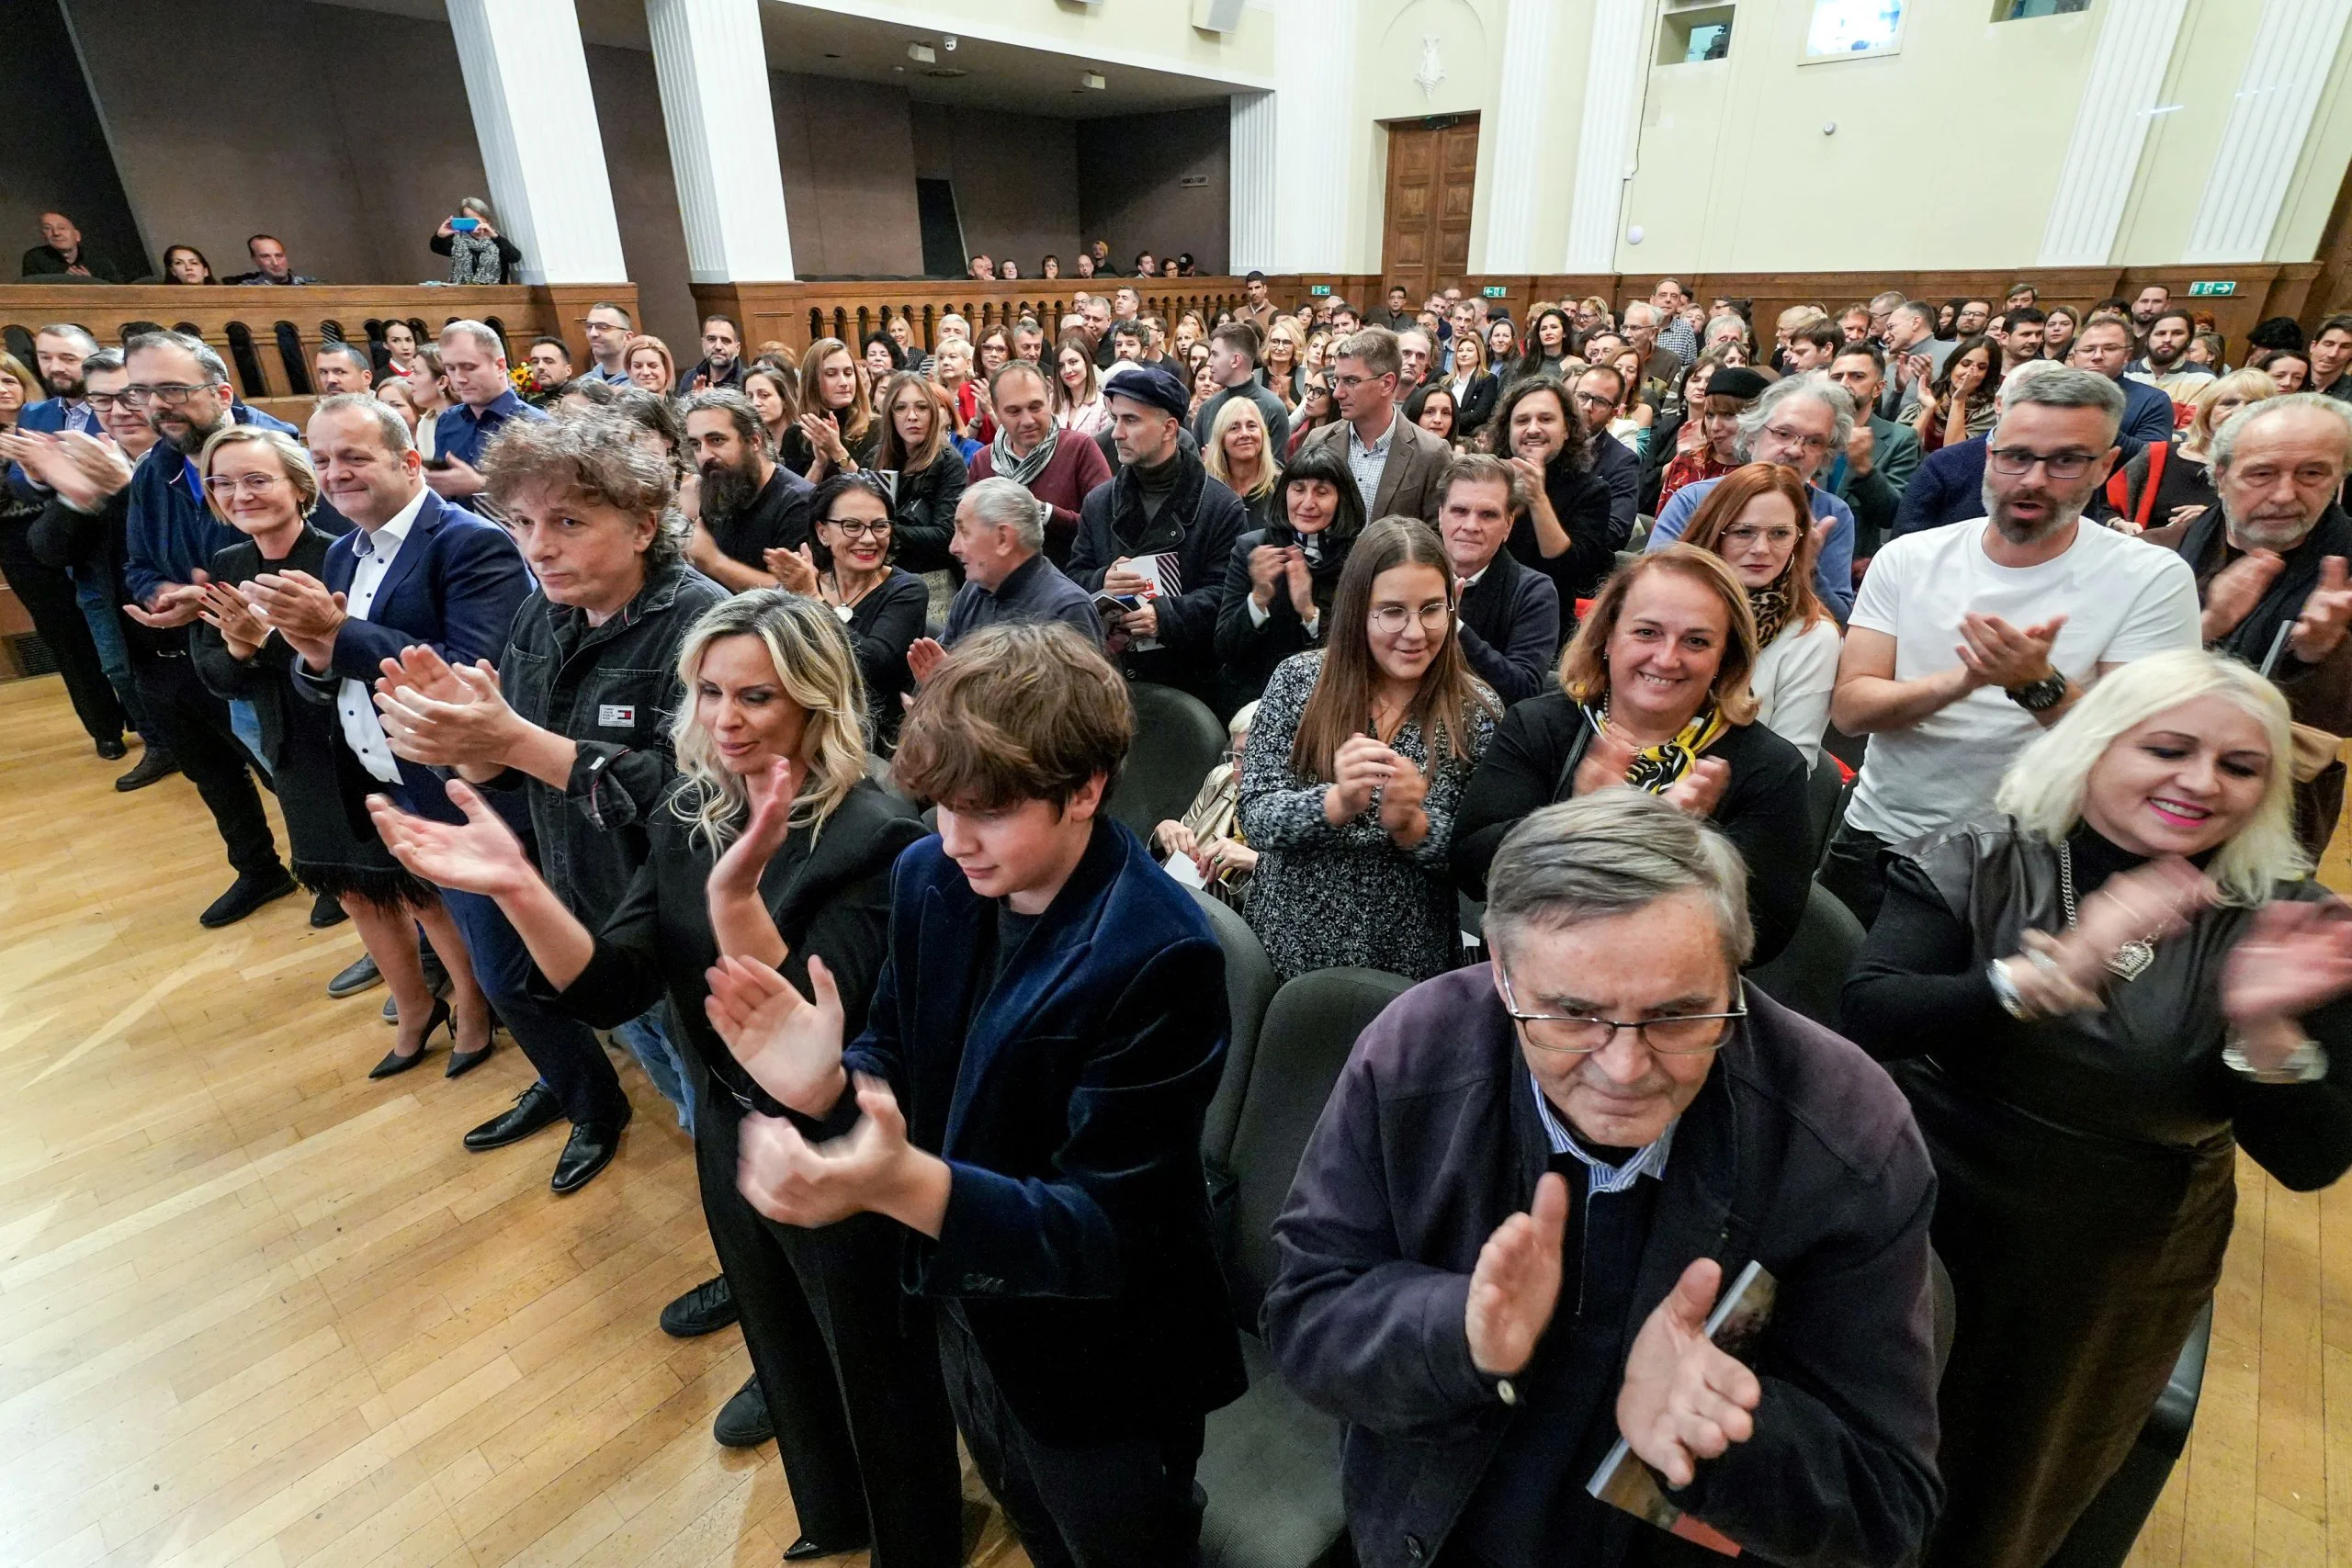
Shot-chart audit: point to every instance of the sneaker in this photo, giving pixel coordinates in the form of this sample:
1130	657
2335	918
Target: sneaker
705	1309
743	1421
155	763
248	893
355	977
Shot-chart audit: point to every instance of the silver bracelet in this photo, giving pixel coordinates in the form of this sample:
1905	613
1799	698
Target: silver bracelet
2307	1063
2005	991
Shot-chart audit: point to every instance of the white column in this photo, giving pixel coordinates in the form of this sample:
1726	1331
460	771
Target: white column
1508	191
1616	65
1315	133
2278	100
526	81
713	68
2125	83
1251	166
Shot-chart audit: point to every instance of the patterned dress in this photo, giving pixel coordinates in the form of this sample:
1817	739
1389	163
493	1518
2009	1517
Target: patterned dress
1326	897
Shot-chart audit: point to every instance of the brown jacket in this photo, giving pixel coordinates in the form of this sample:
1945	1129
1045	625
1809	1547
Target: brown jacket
1412	484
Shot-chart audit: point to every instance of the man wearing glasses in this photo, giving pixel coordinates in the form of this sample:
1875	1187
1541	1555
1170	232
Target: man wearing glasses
1798	423
1967	641
1597	393
608	328
1534	1179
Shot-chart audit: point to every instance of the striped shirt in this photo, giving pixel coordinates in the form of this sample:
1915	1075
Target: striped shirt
1606	1178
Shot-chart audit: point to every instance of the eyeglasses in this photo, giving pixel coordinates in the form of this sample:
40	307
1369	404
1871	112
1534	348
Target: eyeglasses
2016	461
1350	383
1752	535
170	395
104	401
1683	1035
252	484
1390	620
860	527
1595	401
1797	438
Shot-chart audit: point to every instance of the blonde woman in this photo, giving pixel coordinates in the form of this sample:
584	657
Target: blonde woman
771	845
1241	458
1475	386
2160	492
650	365
1282	362
2098	999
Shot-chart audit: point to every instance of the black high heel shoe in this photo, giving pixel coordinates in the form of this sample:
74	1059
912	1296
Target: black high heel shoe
394	1063
464	1062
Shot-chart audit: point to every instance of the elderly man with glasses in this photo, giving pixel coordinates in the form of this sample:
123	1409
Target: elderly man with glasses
1499	1257
1799	423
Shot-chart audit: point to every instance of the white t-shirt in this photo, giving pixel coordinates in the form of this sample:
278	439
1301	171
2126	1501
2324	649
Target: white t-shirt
2124	599
1792	681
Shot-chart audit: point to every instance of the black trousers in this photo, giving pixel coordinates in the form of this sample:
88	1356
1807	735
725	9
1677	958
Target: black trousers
1127	1503
50	599
193	725
570	1059
846	1359
1850	869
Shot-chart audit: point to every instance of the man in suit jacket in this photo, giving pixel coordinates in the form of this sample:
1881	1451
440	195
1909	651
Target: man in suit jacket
1874	470
1597	393
1396	464
1510	614
1026	1101
2104	345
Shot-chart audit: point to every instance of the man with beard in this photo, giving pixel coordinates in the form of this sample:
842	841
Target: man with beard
721	366
1030	449
2270	565
1966	642
1162	502
2163	362
2146	306
169	539
2104	344
750	502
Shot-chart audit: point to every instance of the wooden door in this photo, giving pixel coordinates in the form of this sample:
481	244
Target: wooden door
1433	171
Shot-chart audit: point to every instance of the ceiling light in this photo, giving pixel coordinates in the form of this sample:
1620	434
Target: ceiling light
1093	79
923	55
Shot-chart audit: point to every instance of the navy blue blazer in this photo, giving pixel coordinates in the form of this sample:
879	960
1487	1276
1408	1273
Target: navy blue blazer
455	585
1948	487
1066	1090
2147	418
46	417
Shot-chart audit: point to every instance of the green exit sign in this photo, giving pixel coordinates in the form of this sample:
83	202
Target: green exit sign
2213	287
1494	291
1318	289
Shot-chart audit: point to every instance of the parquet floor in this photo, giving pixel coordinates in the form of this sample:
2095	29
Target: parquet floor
257	1312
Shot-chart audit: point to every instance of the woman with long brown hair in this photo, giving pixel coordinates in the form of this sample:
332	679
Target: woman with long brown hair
1654	693
837	430
1357	759
1758	519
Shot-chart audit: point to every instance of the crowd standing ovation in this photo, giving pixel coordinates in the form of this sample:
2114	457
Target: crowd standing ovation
768	714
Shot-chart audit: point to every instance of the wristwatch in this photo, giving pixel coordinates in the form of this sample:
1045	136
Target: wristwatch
2306	1063
2040	696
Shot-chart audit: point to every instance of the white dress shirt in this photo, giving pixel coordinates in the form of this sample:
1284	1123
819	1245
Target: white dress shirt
363	731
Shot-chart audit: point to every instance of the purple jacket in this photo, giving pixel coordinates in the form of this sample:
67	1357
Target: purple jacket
1799	1151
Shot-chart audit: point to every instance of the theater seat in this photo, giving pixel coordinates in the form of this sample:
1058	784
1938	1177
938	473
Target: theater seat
1249	987
1178	740
1811	971
1270	1465
1825	794
2102	1538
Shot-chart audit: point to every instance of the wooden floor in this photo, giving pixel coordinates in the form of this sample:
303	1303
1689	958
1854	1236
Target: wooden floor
255	1311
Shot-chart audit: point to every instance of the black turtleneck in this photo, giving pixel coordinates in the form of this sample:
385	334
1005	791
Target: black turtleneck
1155	485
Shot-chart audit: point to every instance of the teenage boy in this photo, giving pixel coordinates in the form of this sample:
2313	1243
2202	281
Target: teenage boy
1026	1100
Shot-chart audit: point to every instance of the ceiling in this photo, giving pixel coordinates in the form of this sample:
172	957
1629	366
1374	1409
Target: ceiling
812	40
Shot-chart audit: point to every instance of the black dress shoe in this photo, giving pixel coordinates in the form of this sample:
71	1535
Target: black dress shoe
809	1547
589	1150
395	1064
705	1309
326	909
743	1423
355	977
535	1108
249	892
155	763
113	751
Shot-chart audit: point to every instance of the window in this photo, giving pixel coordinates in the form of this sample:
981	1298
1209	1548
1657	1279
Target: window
1844	28
1690	33
2019	10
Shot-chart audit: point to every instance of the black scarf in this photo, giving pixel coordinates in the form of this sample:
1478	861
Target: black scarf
2207	549
1166	528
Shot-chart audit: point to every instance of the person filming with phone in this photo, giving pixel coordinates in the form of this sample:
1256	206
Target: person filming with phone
478	252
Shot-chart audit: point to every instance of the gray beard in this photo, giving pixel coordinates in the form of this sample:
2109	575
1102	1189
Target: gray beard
2059	517
2268	533
190	444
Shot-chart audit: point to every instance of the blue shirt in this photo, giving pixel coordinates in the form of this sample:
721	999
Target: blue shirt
171	535
461	433
1833	571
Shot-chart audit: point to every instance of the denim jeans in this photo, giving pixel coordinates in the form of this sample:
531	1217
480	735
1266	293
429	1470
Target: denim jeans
96	599
648	1037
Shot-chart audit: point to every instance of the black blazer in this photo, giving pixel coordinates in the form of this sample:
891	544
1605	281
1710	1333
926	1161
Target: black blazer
1475	405
1065	1084
267	679
1511	629
881	627
1531	762
1247	652
923	514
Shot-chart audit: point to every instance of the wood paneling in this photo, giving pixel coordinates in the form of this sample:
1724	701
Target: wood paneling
1433	175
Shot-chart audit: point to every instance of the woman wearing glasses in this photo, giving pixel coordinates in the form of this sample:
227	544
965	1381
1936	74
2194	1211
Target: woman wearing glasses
1653	692
881	606
2094	1000
1355	762
261	483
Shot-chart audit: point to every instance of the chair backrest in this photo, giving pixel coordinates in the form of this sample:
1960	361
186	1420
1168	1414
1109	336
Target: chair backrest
1249	987
1811	971
1823	792
1178	740
1305	1042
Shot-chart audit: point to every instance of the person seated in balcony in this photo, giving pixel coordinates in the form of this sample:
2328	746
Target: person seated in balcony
478	252
186	263
270	266
61	254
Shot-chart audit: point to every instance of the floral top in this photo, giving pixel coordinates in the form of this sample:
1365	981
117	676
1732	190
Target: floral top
1689	468
1324	897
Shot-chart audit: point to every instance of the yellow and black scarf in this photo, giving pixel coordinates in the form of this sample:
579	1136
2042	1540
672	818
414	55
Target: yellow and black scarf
1657	769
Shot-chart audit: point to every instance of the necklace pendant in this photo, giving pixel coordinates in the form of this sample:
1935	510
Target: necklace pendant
2131	960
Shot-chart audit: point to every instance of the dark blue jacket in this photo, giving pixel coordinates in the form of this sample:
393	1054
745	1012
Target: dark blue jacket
1066	1090
2147	418
458	432
171	534
1798	1152
1622	472
46	417
1947	488
455	585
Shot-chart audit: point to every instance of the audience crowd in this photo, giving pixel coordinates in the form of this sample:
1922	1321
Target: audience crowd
1609	675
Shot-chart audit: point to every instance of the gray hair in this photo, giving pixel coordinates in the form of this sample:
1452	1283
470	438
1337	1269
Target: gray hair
1924	314
2224	444
2048	384
738	409
480	331
1648	309
105	359
1611	853
1812	386
67	329
475	205
356	354
1885	304
1001	503
212	364
390	426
